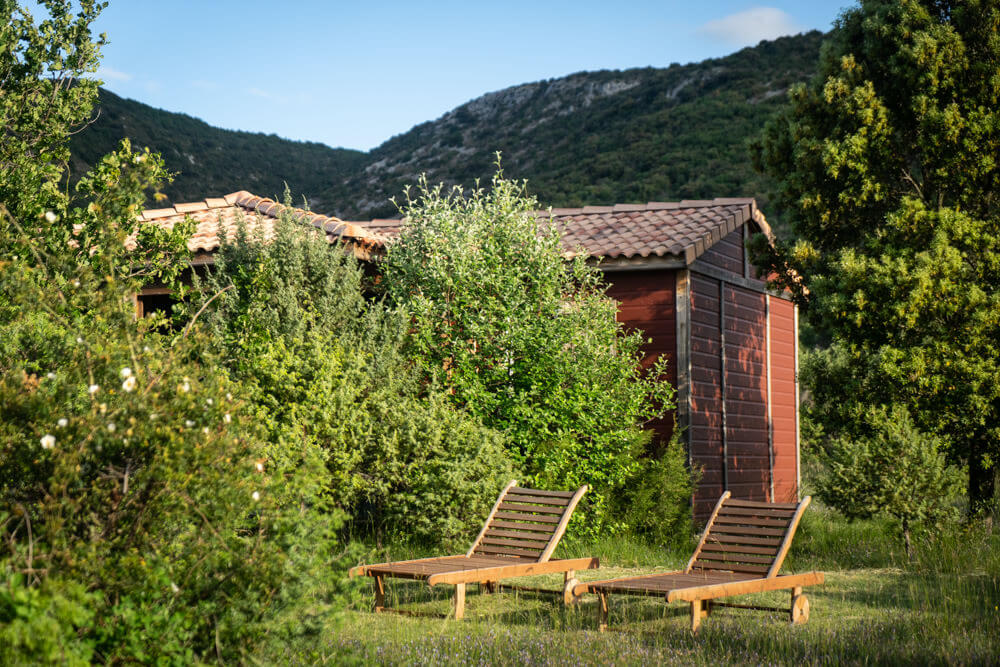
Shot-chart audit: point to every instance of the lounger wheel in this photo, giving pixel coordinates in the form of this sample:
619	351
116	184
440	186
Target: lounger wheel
569	597
800	609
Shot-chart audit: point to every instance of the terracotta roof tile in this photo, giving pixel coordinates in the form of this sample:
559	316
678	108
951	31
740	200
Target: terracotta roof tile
220	216
672	230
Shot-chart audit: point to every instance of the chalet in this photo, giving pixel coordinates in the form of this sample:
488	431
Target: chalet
681	273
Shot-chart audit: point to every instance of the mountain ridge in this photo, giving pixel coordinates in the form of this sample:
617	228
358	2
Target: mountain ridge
600	137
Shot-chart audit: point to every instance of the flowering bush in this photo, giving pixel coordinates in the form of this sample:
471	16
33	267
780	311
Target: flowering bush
126	465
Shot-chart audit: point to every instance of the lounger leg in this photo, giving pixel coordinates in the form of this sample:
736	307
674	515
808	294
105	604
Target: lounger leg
698	612
799	611
379	593
459	602
602	611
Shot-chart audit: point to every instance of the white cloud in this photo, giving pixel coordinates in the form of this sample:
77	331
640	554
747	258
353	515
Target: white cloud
106	73
749	27
257	92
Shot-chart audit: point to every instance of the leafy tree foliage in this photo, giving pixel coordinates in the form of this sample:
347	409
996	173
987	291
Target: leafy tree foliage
887	163
325	369
891	469
522	338
141	518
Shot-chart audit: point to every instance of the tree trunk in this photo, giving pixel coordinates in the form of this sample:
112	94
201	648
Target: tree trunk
907	541
982	488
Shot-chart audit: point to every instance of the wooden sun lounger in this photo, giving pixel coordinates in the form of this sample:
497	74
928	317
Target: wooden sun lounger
517	540
740	552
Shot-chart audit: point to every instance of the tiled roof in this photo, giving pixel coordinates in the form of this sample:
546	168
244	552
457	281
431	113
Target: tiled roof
223	213
681	230
624	233
635	232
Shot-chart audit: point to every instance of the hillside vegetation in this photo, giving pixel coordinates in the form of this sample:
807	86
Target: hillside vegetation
589	138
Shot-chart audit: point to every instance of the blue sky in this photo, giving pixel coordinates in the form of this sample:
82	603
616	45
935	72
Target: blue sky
354	74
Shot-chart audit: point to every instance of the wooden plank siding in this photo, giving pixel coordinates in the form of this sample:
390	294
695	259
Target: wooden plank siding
647	302
784	400
740	402
746	394
705	434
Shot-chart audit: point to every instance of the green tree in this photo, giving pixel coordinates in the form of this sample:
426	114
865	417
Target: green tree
887	164
890	469
523	338
323	368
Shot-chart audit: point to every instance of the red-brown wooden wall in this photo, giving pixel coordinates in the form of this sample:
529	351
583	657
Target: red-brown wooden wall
741	339
647	302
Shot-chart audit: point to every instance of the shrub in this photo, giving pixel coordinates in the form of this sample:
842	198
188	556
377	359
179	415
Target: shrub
324	368
524	339
126	466
894	470
656	504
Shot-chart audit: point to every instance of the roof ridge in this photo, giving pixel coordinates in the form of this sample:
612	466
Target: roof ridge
648	206
272	209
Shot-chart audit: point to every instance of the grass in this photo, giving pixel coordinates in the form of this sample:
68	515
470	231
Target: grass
874	608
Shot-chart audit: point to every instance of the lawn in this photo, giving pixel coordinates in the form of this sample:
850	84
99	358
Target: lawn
943	608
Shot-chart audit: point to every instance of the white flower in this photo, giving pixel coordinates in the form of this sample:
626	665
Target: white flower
125	372
255	495
226	418
48	441
173	587
188	423
51	216
209	401
62	422
111	427
152	416
50	375
92	389
145	348
79	340
185	387
102	408
229	396
76	283
129	383
204	429
260	466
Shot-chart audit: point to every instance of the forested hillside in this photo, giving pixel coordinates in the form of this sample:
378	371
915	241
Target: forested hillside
589	138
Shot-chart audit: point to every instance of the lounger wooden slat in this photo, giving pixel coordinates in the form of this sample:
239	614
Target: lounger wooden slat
489	538
530	509
758	504
738	548
748	511
731	558
728	529
539	492
762	522
507	551
741	539
541	500
541	538
533	527
522	516
517	540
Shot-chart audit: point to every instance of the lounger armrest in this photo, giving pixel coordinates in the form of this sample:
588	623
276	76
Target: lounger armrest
514	570
361	570
745	587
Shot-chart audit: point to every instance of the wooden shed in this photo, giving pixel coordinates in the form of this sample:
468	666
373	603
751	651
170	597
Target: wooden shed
681	274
